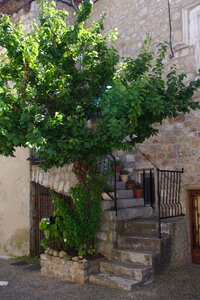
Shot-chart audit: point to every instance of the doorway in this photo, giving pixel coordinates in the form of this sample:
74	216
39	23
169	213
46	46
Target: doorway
195	225
43	207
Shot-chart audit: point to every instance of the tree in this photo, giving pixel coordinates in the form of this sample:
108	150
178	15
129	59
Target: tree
64	91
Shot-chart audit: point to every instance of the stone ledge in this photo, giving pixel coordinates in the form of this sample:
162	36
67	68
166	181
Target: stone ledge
68	270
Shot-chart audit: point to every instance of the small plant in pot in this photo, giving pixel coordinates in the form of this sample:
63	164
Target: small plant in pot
117	166
138	190
130	184
107	192
124	175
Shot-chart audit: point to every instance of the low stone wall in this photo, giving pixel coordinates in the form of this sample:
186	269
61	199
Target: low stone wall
73	269
176	228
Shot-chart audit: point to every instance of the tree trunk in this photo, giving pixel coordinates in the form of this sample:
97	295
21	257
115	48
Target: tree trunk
80	170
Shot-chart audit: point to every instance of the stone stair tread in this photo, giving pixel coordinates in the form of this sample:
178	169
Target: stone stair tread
130	207
130	213
122	204
113	281
150	252
127	265
133	271
138	255
150	220
140	199
128	194
128	203
140	236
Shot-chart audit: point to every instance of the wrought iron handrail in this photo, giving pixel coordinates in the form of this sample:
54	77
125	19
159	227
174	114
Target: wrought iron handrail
108	164
165	189
167	192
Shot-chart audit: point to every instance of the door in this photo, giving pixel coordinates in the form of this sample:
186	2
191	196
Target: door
195	225
43	208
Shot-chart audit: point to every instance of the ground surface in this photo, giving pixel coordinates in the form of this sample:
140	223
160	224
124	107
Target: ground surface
25	282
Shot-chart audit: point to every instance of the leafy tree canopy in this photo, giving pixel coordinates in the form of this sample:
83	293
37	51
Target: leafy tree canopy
64	91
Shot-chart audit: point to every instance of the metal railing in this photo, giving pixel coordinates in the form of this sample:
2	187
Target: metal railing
169	185
168	195
108	166
149	188
162	192
161	189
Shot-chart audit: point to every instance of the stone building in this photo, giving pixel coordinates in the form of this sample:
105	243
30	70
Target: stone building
176	146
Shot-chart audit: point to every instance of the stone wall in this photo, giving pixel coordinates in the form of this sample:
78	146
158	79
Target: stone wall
178	245
178	142
107	234
58	179
66	268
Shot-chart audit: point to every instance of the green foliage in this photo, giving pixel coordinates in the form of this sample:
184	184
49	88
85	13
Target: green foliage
124	172
64	92
117	162
76	227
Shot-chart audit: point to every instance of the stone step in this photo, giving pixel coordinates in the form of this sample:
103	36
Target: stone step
122	203
134	226
147	258
114	281
128	270
136	212
122	194
112	178
139	242
119	185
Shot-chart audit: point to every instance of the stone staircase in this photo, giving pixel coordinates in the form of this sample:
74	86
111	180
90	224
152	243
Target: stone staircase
137	252
125	203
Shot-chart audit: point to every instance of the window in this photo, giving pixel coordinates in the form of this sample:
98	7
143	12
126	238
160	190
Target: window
194	31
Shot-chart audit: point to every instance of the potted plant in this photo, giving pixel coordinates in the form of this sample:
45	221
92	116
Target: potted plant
107	193
124	175
138	190
117	166
130	184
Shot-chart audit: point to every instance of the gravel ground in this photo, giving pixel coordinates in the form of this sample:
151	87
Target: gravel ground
26	282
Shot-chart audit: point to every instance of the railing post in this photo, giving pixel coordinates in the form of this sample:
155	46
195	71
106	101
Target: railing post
151	188
158	198
115	185
144	187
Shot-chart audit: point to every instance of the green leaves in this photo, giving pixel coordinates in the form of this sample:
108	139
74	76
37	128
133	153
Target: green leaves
75	226
64	92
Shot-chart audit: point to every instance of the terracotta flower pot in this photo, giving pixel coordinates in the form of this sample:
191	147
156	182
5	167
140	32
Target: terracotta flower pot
117	169
138	193
124	177
129	186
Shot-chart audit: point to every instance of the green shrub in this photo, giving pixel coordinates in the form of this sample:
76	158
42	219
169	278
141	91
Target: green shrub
75	227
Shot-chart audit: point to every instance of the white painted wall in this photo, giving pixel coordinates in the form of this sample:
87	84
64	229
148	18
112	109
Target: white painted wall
15	204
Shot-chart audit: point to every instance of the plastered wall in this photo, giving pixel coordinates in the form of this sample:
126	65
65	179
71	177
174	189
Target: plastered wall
14	204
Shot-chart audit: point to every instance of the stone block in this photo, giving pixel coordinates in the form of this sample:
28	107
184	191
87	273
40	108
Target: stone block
113	236
130	158
56	260
102	236
67	270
